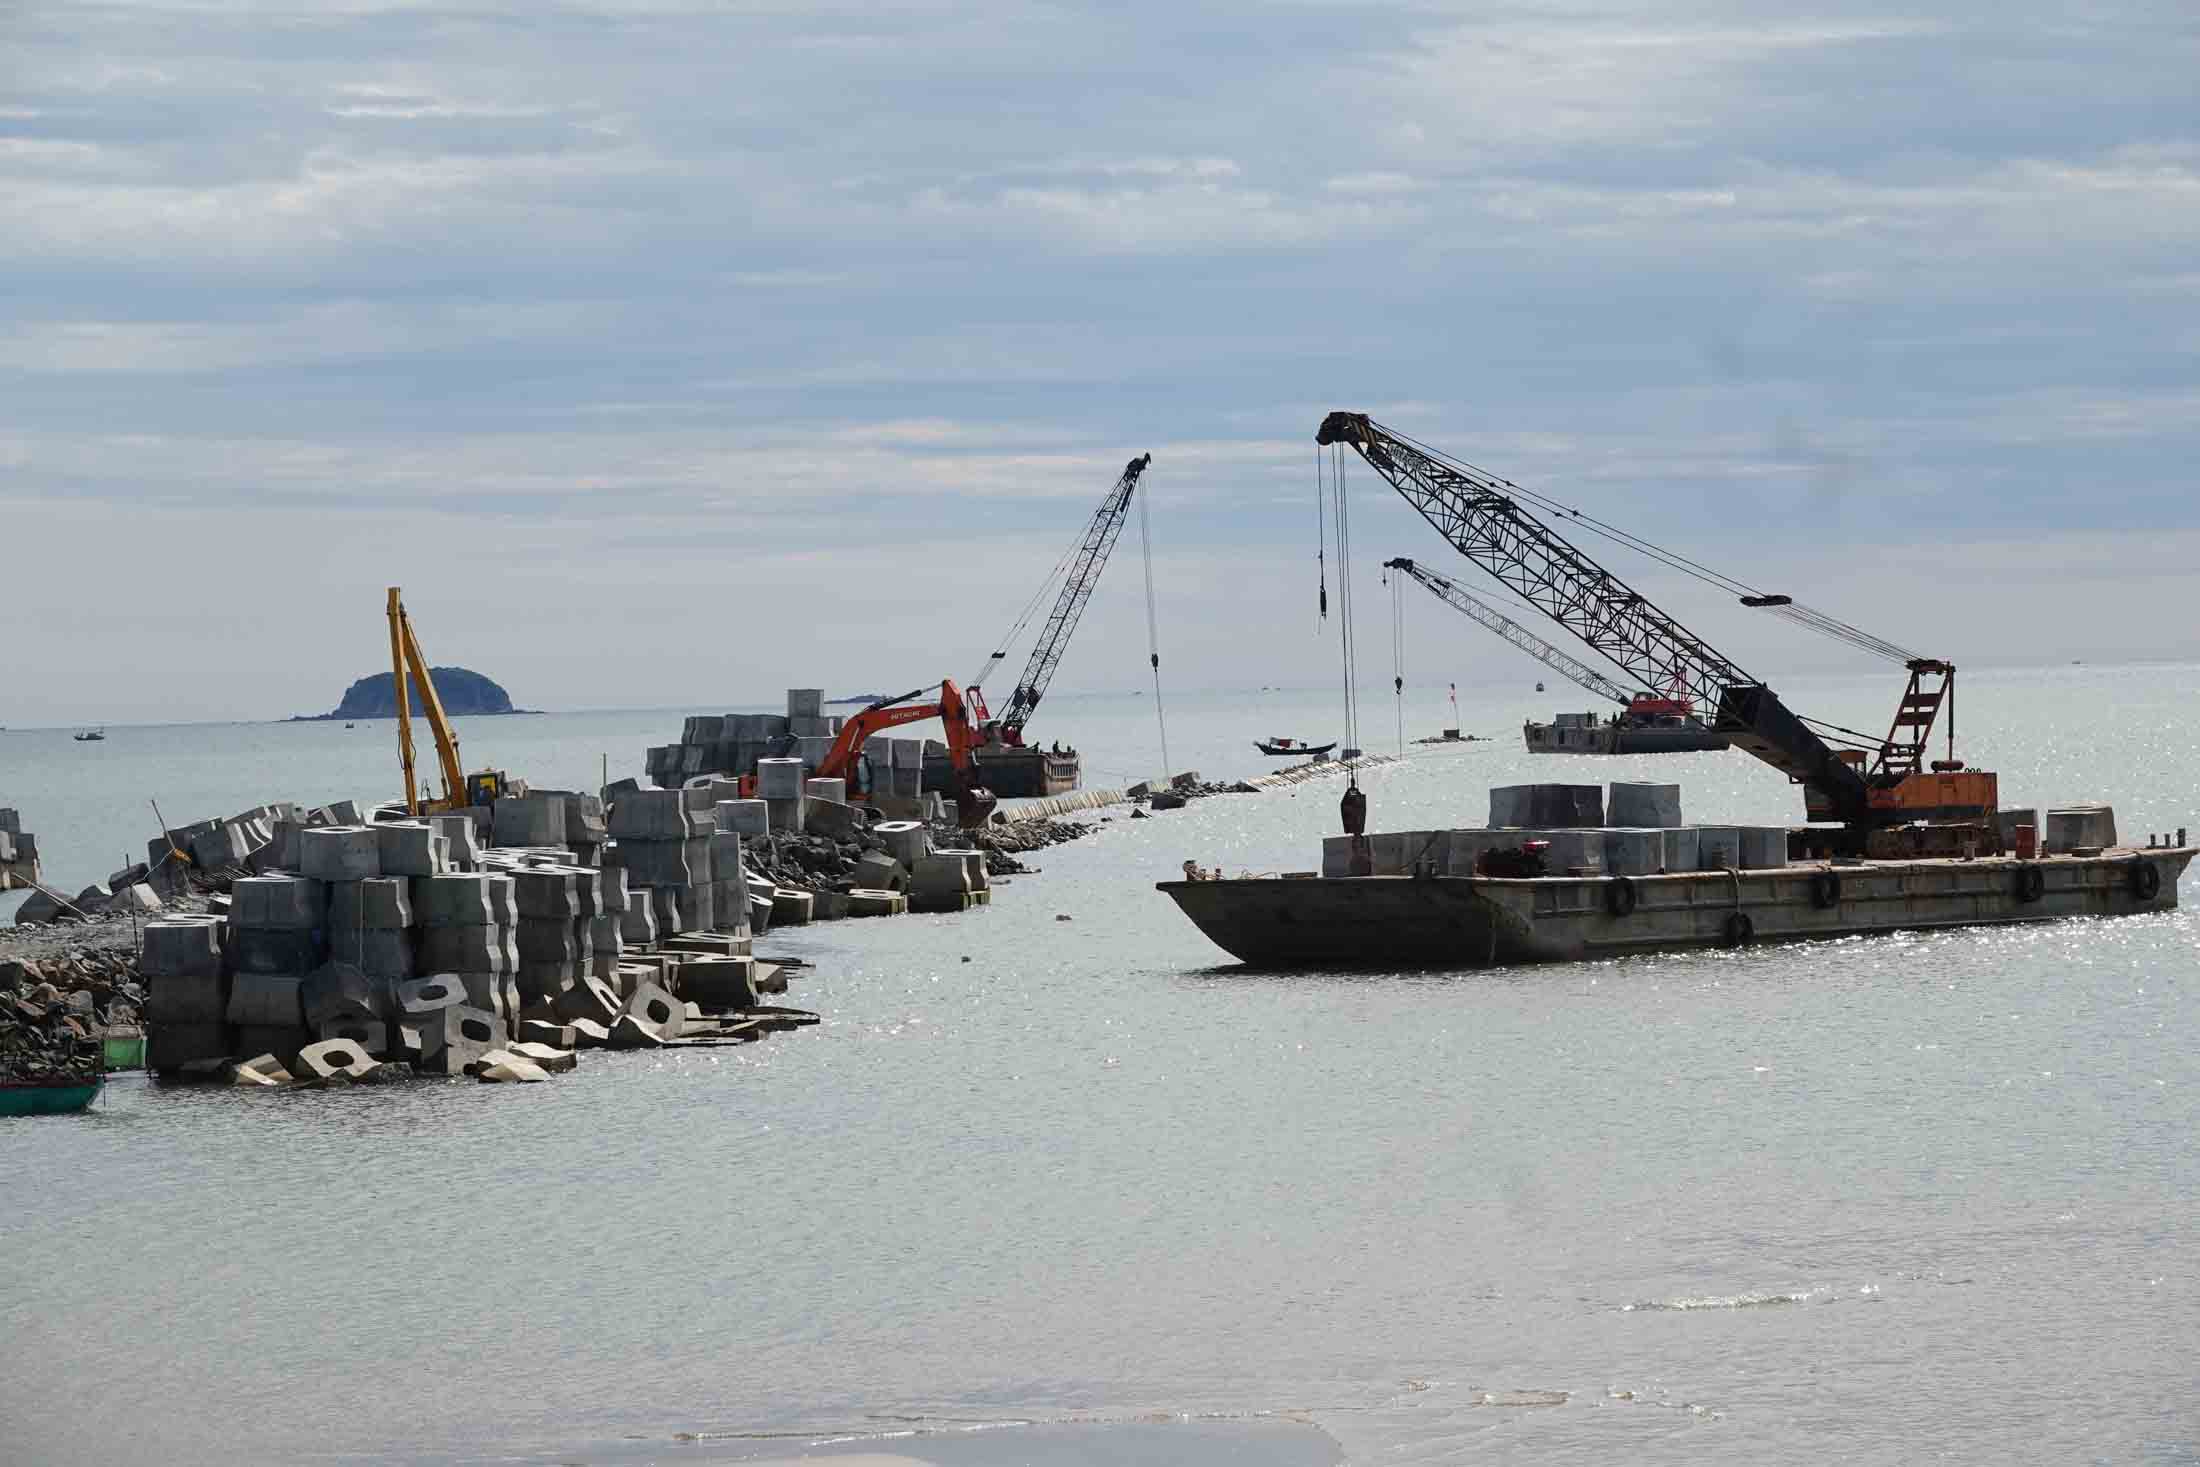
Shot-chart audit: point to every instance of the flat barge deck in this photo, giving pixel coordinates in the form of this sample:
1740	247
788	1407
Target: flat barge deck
1467	922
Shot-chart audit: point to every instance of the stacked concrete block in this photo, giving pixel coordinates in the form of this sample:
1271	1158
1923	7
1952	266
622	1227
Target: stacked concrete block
411	848
1570	852
453	1038
719	984
1718	848
638	920
1644	806
729	879
825	791
2071	827
811	751
1764	847
533	819
779	782
187	987
370	921
1546	805
336	997
1406	852
880	871
555	945
462	840
807	703
763	899
1634	852
339	853
278	924
907	841
1464	849
1683	849
908	767
586	828
268	1012
743	817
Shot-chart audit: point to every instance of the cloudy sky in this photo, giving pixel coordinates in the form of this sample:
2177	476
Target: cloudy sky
673	353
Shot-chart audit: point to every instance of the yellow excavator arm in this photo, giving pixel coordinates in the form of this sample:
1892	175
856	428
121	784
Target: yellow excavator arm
409	667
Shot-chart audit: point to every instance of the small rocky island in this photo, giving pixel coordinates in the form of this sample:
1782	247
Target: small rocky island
463	691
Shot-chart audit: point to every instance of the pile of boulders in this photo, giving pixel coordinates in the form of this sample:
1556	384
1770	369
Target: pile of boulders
55	1012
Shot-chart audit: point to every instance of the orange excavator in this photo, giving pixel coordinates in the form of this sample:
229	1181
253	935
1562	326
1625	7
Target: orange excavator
974	805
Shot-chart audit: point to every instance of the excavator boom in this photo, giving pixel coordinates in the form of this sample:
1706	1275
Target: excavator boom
974	805
408	671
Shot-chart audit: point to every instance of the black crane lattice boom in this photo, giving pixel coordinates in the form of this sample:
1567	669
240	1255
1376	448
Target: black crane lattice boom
1077	588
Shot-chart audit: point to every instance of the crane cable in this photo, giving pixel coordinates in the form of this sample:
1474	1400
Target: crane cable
1345	638
1321	540
1153	632
1023	617
1397	586
1811	619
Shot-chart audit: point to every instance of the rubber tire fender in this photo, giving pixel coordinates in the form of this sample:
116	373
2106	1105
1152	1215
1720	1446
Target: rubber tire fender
1620	896
1739	930
1825	890
2031	882
2145	879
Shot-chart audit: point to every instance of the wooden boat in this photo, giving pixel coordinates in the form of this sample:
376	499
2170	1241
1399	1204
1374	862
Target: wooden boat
47	1097
93	737
1281	746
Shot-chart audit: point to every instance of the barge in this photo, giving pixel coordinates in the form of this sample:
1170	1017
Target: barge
1624	733
1470	922
1011	772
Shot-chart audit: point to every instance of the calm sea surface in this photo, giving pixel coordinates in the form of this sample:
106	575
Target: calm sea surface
1905	1199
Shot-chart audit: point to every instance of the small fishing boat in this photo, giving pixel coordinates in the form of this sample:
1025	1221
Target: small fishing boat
1281	746
92	737
48	1097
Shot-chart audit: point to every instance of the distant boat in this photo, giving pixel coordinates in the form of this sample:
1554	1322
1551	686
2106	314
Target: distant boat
52	1097
1539	687
93	737
351	725
1293	746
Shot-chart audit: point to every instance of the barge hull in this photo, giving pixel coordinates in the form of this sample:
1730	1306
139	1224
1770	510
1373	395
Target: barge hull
1469	922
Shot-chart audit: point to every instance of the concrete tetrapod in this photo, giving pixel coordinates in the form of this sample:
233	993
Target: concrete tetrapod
334	1059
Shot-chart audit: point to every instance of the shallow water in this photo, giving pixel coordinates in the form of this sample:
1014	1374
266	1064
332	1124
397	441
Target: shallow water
1882	1200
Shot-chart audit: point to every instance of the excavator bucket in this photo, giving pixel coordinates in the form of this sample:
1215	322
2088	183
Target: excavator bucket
974	807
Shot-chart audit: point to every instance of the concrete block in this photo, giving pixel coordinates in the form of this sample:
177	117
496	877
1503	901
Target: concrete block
590	998
1547	805
651	815
278	902
789	817
791	908
1718	848
379	952
669	904
805	703
2007	822
493	994
611	884
533	819
605	945
653	1009
823	817
698	905
340	853
463	836
1764	847
543	1032
730	905
638	923
779	779
276	950
180	947
187	999
867	903
453	899
406	848
417	996
827	791
267	1000
1683	849
1638	852
340	991
878	871
907	841
2072	826
1643	806
483	949
541	983
725	858
665	862
548	940
383	902
454	1038
949	901
545	894
220	848
333	1059
169	1047
139	898
552	1059
502	1067
719	984
940	874
585	824
1571	851
343	812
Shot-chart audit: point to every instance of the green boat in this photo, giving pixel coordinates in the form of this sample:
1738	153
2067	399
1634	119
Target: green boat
41	1098
123	1048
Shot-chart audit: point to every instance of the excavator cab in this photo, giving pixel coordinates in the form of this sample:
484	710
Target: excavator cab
484	787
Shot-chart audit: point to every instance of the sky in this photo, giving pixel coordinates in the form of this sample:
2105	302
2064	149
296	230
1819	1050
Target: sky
674	354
